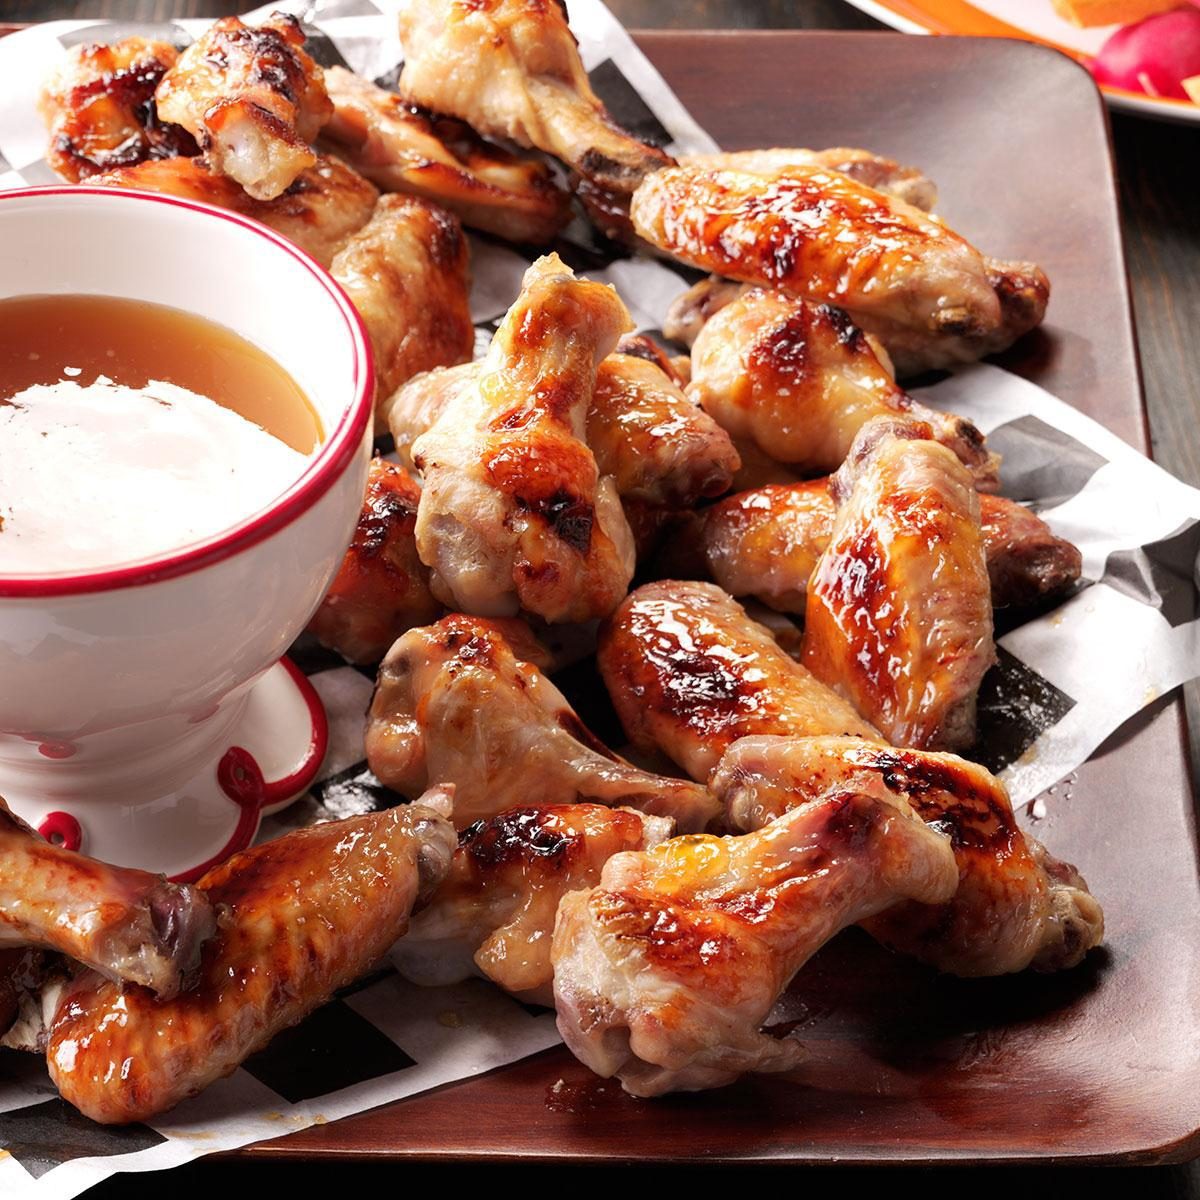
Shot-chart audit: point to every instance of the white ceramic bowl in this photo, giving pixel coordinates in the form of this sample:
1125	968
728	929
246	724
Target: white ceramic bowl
122	690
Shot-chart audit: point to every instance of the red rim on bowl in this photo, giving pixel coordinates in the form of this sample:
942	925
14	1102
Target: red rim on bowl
331	459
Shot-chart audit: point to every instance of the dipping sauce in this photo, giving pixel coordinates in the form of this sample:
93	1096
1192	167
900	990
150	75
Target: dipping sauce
130	429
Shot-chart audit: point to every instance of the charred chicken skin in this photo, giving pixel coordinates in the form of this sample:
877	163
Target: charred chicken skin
514	512
99	109
252	99
665	972
495	911
930	297
1015	906
689	673
898	617
301	916
454	704
382	587
128	925
403	149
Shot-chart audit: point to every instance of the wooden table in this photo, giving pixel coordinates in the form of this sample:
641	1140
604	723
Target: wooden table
1163	244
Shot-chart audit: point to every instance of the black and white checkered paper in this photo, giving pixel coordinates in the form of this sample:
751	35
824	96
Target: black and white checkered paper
1049	703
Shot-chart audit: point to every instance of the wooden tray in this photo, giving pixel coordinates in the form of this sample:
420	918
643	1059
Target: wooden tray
1101	1064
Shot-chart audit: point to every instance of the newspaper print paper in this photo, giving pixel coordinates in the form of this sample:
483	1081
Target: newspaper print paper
1046	707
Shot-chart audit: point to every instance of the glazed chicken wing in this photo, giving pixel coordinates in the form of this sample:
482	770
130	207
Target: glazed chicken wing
899	612
874	170
252	99
406	272
664	974
511	69
382	587
766	543
800	381
495	911
301	916
128	925
454	704
514	512
1015	905
689	673
403	149
99	108
324	205
929	296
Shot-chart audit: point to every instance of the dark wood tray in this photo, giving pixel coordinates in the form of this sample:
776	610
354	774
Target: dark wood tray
1101	1064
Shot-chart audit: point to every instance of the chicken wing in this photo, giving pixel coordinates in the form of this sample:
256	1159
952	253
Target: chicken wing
800	380
252	99
382	587
324	205
302	916
406	272
495	911
1015	905
511	69
766	542
898	617
664	974
514	513
403	149
874	170
930	297
99	108
454	704
689	673
128	925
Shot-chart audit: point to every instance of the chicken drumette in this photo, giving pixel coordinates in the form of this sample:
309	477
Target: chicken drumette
514	512
495	911
252	99
799	380
665	972
403	149
1015	907
454	704
126	924
898	617
301	916
689	673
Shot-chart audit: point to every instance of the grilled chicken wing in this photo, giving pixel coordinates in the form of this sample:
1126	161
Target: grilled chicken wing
128	925
766	542
1015	905
301	916
406	272
929	296
899	615
252	99
800	381
99	108
689	673
495	911
883	174
455	704
382	587
664	974
656	444
324	205
403	149
514	513
511	69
